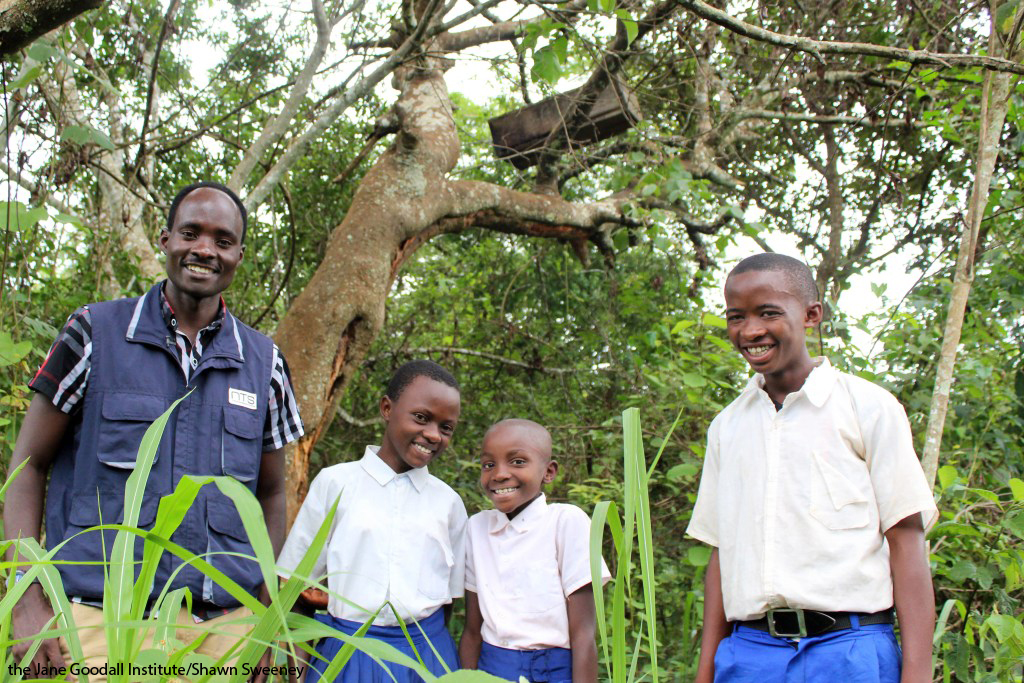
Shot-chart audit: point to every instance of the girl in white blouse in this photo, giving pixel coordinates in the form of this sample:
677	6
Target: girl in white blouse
397	536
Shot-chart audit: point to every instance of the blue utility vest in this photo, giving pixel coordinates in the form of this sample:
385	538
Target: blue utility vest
218	430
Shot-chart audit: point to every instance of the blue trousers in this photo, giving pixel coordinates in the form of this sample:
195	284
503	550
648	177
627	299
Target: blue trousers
861	654
551	665
361	668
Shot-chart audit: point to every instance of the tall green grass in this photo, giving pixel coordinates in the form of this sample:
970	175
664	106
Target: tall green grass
625	617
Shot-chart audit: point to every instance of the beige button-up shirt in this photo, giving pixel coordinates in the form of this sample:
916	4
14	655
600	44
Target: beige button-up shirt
397	537
797	500
524	569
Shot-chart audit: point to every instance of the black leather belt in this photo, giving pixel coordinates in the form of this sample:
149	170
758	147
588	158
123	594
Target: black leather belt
800	623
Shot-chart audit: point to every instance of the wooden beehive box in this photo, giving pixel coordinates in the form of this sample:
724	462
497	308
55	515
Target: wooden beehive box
519	135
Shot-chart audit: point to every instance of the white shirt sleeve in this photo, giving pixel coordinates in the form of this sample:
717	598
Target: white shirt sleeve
470	563
896	475
704	521
458	533
572	543
311	515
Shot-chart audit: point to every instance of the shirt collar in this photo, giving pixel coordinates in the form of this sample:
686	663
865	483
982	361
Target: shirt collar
171	320
817	386
524	521
384	475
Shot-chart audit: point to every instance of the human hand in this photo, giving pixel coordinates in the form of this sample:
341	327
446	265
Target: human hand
315	598
30	617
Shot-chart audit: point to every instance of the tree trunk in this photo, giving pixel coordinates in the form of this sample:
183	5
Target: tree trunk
995	100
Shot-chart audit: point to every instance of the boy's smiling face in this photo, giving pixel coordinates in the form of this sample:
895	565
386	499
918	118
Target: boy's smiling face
515	465
420	423
767	319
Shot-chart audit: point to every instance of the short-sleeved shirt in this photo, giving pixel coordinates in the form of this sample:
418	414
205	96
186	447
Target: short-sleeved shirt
797	500
397	537
64	375
523	569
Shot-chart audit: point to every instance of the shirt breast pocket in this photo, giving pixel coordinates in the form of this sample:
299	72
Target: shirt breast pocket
837	502
436	562
240	448
535	590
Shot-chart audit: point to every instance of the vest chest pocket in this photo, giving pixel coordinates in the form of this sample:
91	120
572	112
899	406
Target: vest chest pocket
240	445
126	417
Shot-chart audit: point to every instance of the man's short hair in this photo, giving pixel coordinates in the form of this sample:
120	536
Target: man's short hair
796	272
404	376
188	189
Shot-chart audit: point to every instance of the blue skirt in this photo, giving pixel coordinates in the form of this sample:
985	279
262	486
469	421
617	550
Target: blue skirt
551	665
361	668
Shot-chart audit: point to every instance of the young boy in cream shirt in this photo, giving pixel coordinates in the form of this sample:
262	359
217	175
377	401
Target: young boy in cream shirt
529	599
815	503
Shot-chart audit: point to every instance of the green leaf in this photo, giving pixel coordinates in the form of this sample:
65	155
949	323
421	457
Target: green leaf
629	24
1004	627
1004	16
41	51
947	476
692	379
699	555
712	320
560	46
17	217
1017	489
1015	523
546	66
10	351
607	6
681	471
68	218
85	135
25	78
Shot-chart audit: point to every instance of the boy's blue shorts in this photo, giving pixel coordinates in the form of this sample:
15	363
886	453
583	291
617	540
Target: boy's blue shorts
551	665
862	654
361	668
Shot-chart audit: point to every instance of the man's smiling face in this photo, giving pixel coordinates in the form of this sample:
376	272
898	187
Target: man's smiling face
204	246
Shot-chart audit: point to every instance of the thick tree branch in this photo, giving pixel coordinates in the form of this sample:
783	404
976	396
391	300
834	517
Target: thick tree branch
22	21
506	30
820	47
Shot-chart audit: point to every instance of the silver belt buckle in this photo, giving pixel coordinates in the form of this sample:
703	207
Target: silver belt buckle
801	623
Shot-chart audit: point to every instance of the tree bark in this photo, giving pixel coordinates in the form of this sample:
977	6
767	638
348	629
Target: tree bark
22	21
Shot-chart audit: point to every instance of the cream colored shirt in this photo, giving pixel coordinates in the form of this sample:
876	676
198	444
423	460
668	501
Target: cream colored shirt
797	500
524	569
397	537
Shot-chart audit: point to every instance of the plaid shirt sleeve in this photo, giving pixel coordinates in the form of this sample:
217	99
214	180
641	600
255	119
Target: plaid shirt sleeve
64	374
284	424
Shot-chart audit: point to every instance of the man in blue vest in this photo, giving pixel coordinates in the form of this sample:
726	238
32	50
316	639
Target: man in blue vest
115	367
